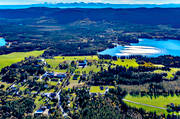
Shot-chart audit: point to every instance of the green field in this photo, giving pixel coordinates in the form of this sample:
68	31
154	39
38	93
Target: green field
7	60
95	67
65	58
74	83
126	62
87	69
6	85
96	89
54	63
160	101
170	74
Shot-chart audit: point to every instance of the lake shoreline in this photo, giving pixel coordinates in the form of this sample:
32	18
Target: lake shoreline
2	41
146	47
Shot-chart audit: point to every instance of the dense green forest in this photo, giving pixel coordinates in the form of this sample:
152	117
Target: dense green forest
83	31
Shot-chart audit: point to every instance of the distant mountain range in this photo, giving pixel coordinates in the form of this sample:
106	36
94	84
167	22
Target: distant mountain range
90	5
150	16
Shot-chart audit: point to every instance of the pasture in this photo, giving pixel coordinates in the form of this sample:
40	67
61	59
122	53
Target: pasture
159	101
54	63
170	74
9	59
126	63
96	89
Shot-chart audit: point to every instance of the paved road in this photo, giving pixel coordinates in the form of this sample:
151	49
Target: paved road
144	104
58	95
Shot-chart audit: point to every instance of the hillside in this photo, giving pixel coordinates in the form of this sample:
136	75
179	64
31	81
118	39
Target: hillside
150	16
83	31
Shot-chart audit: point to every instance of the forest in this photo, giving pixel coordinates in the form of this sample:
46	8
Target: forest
77	32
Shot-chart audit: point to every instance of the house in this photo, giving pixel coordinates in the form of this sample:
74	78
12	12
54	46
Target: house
54	75
49	106
60	75
40	111
49	95
41	60
46	86
61	80
101	88
107	90
52	95
84	76
172	105
48	74
82	63
92	94
55	80
13	88
92	61
75	77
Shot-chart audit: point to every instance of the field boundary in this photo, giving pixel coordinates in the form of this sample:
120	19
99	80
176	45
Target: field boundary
144	104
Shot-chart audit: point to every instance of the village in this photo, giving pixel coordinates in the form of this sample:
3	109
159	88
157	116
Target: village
47	98
55	81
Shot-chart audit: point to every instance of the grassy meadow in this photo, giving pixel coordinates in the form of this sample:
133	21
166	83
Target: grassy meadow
170	74
159	101
96	89
54	63
7	60
126	62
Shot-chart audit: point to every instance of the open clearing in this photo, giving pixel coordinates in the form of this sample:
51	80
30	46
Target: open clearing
54	63
160	102
170	74
96	89
7	60
126	63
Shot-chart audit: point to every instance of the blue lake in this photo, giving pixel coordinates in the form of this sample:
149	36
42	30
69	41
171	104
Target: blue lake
2	42
146	47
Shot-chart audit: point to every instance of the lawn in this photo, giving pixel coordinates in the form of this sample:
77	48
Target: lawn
126	62
65	58
160	101
7	60
52	83
88	68
38	102
74	83
170	74
6	85
54	63
60	59
96	89
22	88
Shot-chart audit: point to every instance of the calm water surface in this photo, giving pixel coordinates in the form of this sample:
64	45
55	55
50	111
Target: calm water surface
146	47
2	42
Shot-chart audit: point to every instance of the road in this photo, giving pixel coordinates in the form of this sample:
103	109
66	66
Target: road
144	104
58	96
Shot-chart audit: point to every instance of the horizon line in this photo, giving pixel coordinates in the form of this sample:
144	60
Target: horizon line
48	3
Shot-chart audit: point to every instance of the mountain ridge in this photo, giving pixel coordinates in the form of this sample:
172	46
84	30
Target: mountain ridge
151	16
90	5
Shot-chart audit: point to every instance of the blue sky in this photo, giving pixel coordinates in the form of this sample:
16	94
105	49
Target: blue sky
12	2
